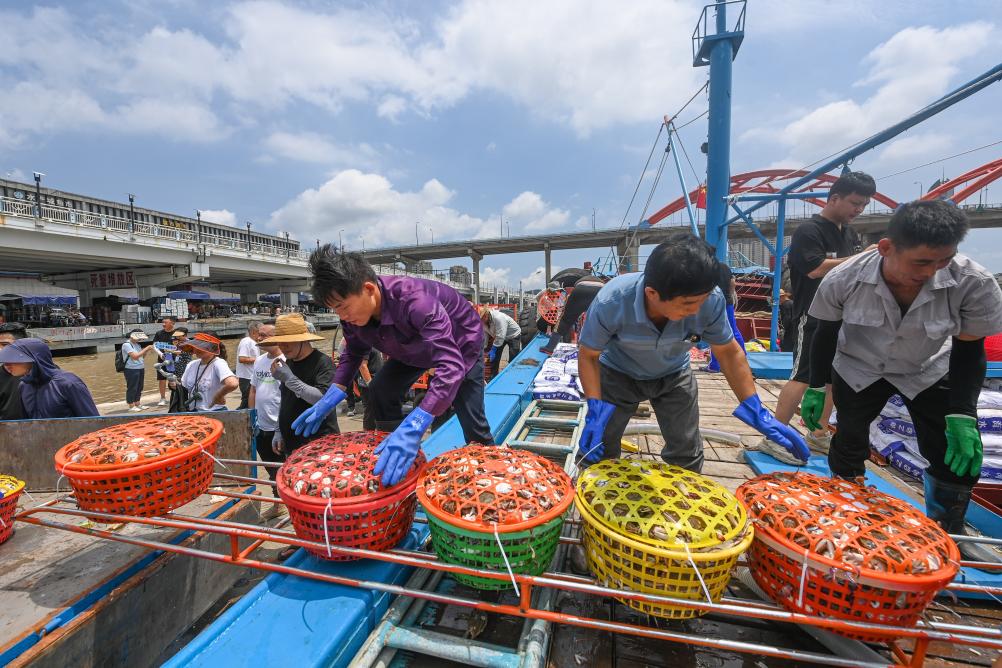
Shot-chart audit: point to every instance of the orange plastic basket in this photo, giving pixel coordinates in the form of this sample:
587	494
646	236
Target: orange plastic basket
145	468
10	492
335	499
550	305
831	548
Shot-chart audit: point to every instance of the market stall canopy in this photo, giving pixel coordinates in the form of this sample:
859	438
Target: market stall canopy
188	294
42	300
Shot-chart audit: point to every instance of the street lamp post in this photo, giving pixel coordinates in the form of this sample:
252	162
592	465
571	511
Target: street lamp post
132	215
508	223
432	231
417	242
921	189
248	238
362	239
38	196
288	247
198	228
340	240
318	244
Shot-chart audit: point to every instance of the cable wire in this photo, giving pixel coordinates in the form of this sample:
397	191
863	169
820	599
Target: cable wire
949	157
642	175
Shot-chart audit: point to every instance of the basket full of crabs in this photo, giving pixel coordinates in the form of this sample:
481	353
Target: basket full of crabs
10	491
493	507
832	548
334	498
144	467
658	529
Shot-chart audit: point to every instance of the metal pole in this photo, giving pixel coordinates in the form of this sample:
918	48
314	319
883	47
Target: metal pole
132	215
248	237
685	189
718	159
198	228
417	242
777	275
38	196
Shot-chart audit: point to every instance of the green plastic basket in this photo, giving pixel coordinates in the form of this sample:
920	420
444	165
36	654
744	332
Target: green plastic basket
529	552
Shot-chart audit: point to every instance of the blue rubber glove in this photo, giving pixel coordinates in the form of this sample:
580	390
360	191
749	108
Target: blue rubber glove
308	423
398	450
493	354
597	417
754	414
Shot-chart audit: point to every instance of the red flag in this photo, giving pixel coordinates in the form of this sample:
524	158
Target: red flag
701	197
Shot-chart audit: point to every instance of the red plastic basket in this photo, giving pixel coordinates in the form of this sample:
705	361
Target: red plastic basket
335	499
831	548
550	305
11	488
158	464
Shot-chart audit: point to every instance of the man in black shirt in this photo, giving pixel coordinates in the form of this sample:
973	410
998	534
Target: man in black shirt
305	375
10	385
818	246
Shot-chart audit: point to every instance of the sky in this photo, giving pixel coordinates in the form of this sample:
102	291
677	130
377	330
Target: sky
372	122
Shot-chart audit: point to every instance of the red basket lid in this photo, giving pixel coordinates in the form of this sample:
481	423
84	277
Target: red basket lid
338	469
550	304
137	442
853	528
482	486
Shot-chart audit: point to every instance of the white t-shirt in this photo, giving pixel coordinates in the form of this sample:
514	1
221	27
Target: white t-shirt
209	378
267	393
246	348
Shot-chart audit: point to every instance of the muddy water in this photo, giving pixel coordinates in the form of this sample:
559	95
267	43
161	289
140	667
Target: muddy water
98	370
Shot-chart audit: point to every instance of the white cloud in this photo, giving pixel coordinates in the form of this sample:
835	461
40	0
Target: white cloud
606	68
536	280
499	276
312	147
912	149
221	216
909	70
15	174
366	204
529	212
491	147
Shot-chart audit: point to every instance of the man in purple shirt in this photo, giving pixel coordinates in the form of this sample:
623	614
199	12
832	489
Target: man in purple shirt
419	325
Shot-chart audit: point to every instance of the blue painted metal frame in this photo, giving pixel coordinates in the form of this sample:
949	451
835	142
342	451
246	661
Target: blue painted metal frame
92	598
681	180
286	620
779	366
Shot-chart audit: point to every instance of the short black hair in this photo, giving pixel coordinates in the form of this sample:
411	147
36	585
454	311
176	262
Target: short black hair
15	329
337	273
183	330
853	183
934	223
682	266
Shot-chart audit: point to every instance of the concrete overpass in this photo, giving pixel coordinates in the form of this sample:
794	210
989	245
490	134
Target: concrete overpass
76	250
870	226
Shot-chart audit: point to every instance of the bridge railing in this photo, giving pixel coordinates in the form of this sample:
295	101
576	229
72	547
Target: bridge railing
117	225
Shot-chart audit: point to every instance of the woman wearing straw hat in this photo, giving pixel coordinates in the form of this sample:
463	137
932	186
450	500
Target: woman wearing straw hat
420	325
210	379
305	374
135	367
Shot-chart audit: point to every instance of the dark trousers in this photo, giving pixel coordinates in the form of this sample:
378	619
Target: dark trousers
134	385
245	385
390	384
262	444
578	302
514	346
675	400
850	446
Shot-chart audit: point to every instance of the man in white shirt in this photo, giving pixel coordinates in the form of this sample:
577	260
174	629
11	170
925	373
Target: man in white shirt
266	397
247	354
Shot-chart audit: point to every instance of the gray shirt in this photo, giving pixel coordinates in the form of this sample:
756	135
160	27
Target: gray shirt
911	352
501	327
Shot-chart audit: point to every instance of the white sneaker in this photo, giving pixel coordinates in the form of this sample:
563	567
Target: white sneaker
819	443
162	402
135	409
777	451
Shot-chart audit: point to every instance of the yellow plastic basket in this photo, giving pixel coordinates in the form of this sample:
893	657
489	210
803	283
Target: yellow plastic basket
658	529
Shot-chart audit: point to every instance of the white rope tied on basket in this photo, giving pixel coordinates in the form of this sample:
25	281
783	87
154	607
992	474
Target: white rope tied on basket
504	555
327	538
803	580
213	458
702	583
